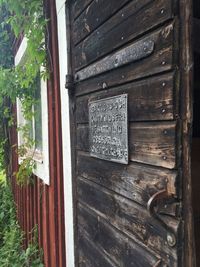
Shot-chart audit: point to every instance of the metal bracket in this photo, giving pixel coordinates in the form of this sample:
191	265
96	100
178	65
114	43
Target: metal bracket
69	82
151	207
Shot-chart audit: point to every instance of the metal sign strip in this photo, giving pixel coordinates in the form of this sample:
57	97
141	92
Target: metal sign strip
131	53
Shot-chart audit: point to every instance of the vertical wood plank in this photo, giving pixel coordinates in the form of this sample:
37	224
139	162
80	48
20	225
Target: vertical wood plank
47	247
59	194
39	208
186	68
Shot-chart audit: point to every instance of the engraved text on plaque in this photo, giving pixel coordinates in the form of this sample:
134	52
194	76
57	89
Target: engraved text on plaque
108	128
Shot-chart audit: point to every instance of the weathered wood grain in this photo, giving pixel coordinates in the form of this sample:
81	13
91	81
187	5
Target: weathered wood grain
90	255
111	197
121	249
135	181
96	13
78	7
186	107
128	217
146	99
117	31
151	143
82	137
161	60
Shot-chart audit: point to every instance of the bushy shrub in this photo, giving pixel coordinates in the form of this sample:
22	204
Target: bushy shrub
12	253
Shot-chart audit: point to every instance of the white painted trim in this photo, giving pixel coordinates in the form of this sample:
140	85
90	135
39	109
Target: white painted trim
68	200
42	167
21	52
59	5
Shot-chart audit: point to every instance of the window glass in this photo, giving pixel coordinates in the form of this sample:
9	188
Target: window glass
38	115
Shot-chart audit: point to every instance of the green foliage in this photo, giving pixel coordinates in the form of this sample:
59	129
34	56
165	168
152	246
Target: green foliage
20	17
11	236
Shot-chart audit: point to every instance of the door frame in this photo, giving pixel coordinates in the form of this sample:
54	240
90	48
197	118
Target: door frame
186	105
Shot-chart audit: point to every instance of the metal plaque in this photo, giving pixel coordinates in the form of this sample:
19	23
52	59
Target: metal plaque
108	128
134	52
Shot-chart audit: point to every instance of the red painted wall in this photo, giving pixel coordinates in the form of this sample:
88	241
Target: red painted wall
39	204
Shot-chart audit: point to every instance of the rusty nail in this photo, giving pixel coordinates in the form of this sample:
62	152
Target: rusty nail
104	85
171	240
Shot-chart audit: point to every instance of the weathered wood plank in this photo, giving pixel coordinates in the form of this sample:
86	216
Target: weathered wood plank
79	6
93	16
186	85
153	143
161	60
129	218
90	255
82	138
150	143
136	182
118	247
146	99
117	31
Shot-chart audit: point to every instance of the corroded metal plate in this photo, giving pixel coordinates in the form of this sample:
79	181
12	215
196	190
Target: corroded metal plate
129	54
108	128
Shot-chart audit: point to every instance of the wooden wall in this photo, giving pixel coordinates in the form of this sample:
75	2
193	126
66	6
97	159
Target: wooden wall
110	199
113	226
37	203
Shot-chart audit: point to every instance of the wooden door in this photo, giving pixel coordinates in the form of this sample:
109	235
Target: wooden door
133	211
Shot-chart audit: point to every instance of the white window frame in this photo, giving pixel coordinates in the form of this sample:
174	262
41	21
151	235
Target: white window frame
41	159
